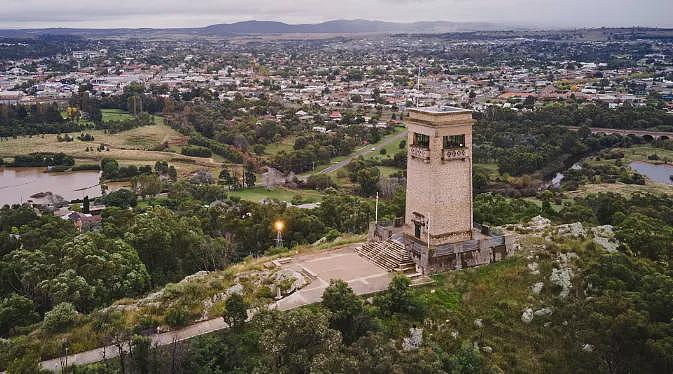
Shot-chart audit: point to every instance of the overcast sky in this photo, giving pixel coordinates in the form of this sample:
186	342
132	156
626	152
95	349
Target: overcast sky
188	13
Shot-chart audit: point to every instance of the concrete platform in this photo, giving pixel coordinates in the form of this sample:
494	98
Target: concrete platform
362	275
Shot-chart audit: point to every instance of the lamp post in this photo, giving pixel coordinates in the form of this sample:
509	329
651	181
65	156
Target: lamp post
279	226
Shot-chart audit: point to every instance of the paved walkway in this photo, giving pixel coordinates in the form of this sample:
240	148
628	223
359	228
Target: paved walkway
362	275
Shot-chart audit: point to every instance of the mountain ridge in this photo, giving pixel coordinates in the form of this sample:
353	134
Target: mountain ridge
256	27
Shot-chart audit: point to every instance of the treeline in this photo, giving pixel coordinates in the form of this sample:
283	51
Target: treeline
521	144
43	159
41	46
20	119
196	151
226	151
112	170
591	115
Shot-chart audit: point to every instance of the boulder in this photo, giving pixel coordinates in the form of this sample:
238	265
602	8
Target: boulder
297	279
604	236
561	278
235	289
193	277
543	312
527	315
538	223
575	230
533	268
414	340
537	287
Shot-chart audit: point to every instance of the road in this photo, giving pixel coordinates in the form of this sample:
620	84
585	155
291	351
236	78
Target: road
362	275
363	152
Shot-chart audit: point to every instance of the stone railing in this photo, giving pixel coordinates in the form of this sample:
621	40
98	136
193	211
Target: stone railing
419	153
460	247
454	154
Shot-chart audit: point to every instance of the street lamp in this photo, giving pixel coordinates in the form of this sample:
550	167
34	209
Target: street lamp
279	226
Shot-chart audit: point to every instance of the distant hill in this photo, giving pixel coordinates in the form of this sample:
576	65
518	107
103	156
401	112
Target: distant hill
272	27
347	26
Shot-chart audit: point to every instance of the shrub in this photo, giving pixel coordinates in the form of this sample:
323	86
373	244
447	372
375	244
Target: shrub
63	315
196	151
86	167
332	235
235	311
177	316
122	198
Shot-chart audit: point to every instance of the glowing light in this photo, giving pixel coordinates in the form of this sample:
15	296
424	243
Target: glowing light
279	225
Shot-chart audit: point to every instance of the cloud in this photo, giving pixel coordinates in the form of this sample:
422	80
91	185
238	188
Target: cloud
180	13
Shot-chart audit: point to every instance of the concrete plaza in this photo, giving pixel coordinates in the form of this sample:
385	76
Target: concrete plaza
362	275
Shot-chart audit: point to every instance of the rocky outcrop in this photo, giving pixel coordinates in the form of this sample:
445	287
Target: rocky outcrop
574	230
562	278
414	340
604	236
527	316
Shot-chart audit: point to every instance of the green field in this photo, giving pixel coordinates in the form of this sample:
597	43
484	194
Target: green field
259	194
284	145
115	115
638	153
122	115
490	169
391	149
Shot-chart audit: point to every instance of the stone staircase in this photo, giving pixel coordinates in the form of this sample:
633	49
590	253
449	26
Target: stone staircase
390	255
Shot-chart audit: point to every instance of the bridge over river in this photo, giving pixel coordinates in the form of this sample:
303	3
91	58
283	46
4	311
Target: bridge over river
625	132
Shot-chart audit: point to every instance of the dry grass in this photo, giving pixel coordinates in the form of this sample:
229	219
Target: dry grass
620	188
128	147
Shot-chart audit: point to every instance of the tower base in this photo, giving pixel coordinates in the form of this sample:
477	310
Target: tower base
487	246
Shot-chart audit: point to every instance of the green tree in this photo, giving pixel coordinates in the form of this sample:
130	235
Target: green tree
146	184
122	198
399	298
63	316
347	311
15	311
296	341
157	234
646	236
235	311
250	177
368	179
86	205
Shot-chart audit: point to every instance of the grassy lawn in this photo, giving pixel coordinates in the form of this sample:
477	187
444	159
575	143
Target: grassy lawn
258	194
391	149
122	115
636	153
286	144
115	115
490	169
386	171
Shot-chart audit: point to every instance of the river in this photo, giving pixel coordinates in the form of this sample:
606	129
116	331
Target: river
19	184
657	173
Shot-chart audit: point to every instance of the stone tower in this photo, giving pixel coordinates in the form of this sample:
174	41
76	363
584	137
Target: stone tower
438	233
439	176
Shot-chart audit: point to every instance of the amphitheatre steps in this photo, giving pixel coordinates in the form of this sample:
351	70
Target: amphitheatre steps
390	255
